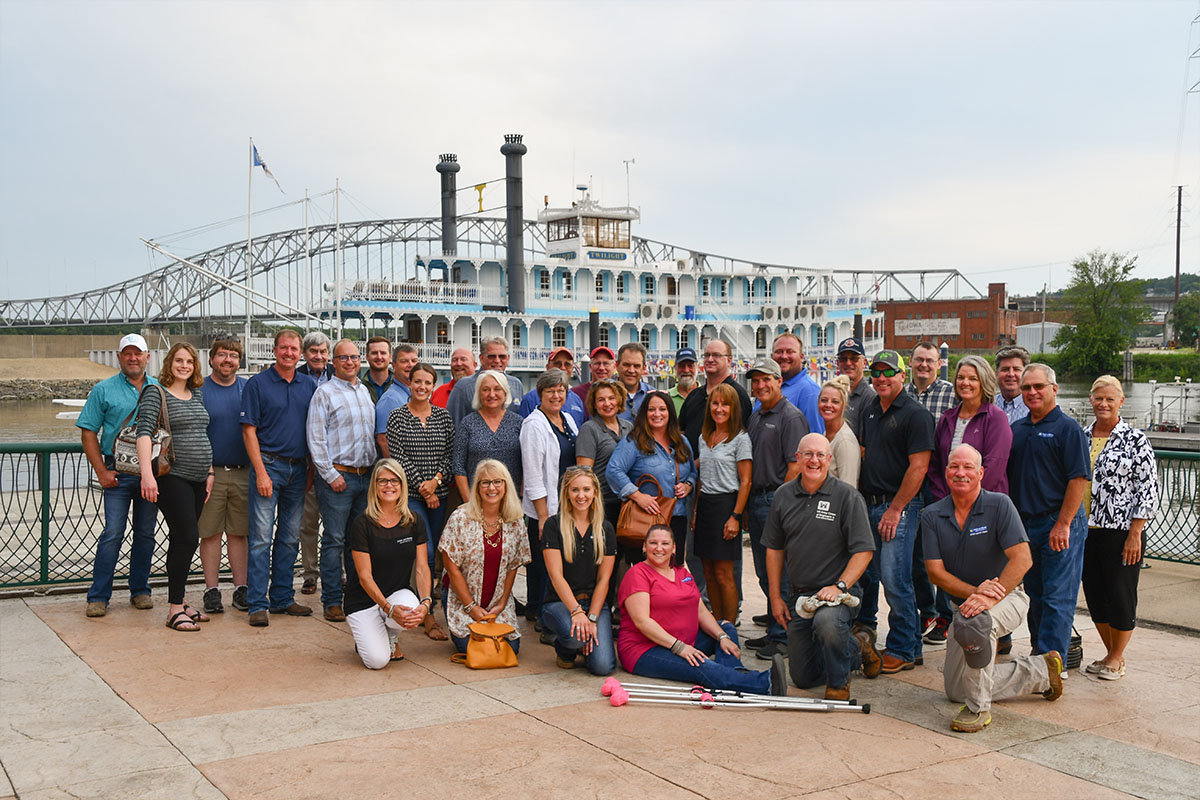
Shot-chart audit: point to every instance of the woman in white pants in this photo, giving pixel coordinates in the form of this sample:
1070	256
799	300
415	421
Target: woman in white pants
381	551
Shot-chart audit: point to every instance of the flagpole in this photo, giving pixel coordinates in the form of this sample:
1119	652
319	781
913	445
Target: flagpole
337	254
249	206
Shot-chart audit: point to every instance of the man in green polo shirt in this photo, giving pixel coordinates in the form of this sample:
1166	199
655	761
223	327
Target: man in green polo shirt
108	404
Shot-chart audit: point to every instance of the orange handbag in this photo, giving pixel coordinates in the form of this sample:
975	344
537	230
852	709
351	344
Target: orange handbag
487	646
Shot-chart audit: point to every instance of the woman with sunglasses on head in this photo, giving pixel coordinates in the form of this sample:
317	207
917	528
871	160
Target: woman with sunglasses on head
655	446
421	437
832	402
599	436
483	545
580	549
181	493
725	464
383	546
667	631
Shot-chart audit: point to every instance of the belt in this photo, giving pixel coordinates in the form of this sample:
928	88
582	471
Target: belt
878	499
230	467
286	459
352	470
762	489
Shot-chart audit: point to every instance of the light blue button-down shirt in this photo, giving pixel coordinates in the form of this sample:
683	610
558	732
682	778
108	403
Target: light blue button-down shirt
107	406
341	420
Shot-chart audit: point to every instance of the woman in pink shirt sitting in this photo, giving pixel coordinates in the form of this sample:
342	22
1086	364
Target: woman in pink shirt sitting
667	632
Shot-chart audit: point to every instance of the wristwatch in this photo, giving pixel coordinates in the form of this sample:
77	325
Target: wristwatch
593	617
737	515
841	585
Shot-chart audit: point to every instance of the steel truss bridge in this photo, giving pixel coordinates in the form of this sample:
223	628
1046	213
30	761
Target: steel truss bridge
288	271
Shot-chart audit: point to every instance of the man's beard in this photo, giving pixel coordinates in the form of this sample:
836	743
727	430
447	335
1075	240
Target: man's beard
685	383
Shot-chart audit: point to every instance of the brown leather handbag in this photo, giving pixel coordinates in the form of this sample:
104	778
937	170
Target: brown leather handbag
487	646
634	522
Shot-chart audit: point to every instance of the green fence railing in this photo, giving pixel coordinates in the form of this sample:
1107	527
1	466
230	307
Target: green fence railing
53	514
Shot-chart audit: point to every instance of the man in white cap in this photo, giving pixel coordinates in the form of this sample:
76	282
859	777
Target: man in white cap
108	404
976	550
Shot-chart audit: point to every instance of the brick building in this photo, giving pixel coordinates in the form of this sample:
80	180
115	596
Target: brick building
964	324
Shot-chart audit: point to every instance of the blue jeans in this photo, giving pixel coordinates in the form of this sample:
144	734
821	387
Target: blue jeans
338	511
757	508
722	671
108	548
433	519
931	601
275	535
557	619
893	564
1052	583
536	579
822	650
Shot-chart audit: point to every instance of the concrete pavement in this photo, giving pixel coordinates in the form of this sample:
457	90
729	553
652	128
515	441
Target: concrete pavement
121	706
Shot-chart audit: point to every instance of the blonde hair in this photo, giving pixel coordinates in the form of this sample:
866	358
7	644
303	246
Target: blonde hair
1106	380
566	520
373	511
510	505
167	377
988	388
841	384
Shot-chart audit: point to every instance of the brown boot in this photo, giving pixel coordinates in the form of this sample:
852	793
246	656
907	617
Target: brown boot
843	693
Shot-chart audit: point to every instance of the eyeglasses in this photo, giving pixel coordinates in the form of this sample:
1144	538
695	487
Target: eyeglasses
347	358
884	373
925	360
714	355
387	481
491	484
809	455
1033	387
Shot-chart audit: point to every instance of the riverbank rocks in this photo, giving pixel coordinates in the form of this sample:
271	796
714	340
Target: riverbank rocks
33	389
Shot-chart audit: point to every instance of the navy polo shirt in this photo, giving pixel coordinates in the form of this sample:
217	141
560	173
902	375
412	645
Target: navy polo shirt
889	439
278	409
973	553
1045	457
224	404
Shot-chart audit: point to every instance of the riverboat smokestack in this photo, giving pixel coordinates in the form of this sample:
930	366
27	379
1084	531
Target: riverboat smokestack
448	168
512	150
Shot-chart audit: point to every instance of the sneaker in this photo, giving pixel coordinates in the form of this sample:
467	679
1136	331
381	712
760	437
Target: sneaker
838	694
309	586
97	608
893	664
565	663
1094	667
778	676
756	642
968	721
761	620
1108	673
212	601
259	619
142	602
1054	665
927	624
294	610
936	637
771	649
239	599
872	662
547	637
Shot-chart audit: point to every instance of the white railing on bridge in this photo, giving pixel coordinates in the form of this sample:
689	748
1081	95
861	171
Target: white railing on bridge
413	291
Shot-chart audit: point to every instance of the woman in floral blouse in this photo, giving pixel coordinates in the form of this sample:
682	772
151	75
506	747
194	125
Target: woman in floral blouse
483	545
1123	496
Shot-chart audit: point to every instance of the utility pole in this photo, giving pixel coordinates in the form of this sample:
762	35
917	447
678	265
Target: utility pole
628	161
1178	225
1045	289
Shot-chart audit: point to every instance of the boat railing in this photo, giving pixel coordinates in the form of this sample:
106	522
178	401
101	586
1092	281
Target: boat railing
54	514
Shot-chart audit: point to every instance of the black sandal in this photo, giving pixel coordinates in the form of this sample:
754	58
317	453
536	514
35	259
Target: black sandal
182	618
194	615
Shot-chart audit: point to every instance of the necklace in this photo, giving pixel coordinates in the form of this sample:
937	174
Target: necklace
491	533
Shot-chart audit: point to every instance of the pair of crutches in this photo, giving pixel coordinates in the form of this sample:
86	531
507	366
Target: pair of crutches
619	694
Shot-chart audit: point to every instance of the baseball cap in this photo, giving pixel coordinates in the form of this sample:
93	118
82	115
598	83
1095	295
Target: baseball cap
766	366
890	358
554	353
685	354
974	636
605	350
134	339
853	345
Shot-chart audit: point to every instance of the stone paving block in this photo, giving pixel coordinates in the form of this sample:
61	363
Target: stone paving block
6	789
265	730
1114	764
724	751
545	690
1175	733
984	775
74	703
509	756
176	783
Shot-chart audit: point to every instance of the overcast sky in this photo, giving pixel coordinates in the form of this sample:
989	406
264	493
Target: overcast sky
1003	139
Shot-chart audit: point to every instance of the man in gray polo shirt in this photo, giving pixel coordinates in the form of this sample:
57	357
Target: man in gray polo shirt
976	551
775	431
818	529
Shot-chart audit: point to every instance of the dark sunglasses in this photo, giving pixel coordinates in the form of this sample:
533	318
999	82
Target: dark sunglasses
884	373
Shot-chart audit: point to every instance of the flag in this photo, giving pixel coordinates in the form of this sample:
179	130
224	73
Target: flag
258	162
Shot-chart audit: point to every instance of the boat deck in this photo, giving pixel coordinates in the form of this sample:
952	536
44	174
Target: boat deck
121	706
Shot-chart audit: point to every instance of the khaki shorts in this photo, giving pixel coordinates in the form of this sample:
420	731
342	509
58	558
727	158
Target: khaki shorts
228	508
